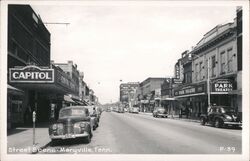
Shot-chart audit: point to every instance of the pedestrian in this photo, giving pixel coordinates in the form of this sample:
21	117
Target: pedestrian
28	116
94	111
187	112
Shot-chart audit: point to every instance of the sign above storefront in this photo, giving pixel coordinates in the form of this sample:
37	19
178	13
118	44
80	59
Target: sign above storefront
31	74
222	85
194	89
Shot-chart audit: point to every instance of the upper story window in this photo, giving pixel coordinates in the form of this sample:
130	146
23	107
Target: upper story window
201	70
196	72
230	59
213	66
223	62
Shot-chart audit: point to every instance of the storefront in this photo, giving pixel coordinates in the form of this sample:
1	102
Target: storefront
192	99
224	92
43	91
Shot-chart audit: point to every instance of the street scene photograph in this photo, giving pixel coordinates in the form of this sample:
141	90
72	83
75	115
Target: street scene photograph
126	78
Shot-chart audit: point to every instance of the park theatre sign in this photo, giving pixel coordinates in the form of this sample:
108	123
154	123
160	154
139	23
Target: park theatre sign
222	85
31	74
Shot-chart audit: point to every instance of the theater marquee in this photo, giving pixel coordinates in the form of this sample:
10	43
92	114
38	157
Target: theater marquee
31	74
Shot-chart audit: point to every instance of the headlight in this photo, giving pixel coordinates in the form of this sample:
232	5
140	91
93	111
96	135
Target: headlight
57	126
80	124
60	126
228	117
54	126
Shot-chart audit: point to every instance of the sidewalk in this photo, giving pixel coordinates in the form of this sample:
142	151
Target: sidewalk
20	140
175	117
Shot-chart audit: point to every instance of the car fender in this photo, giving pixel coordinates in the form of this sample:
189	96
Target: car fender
204	116
218	117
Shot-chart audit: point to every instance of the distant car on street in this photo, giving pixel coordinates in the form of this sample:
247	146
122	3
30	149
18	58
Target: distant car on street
160	112
120	109
74	122
220	116
134	110
108	109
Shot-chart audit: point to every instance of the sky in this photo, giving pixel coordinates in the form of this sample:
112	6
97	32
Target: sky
126	42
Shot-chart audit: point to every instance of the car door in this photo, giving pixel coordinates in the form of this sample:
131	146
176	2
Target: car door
211	114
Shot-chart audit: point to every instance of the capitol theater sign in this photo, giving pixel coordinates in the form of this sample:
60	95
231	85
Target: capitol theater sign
31	74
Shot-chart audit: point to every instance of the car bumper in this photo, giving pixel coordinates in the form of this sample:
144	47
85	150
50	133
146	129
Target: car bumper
233	123
69	136
163	115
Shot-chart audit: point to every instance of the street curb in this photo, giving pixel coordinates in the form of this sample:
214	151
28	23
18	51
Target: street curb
175	118
41	148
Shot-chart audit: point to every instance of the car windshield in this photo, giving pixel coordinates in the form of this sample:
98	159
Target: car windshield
226	109
71	112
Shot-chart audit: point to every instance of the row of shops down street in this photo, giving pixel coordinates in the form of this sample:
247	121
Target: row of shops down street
211	73
35	82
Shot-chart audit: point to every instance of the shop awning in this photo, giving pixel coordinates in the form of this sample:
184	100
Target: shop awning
190	95
238	92
14	90
168	99
68	99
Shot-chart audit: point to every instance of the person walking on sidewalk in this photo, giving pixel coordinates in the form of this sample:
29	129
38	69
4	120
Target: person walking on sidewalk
28	116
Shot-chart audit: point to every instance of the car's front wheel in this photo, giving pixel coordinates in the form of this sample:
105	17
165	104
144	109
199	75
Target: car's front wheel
54	142
218	123
88	138
203	121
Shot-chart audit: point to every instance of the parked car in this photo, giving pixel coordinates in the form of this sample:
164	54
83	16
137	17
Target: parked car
74	122
94	116
120	109
160	112
108	109
134	110
220	116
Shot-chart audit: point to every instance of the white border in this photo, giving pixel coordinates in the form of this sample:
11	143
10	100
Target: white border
245	80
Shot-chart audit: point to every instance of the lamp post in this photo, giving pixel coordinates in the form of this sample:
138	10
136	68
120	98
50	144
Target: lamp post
208	77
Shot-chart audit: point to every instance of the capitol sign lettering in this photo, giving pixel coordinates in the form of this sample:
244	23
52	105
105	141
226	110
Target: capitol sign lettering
31	74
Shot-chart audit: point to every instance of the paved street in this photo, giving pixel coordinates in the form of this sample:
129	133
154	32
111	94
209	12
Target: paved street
142	134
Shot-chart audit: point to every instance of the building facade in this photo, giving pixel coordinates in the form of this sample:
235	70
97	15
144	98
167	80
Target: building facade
211	69
34	83
149	88
128	94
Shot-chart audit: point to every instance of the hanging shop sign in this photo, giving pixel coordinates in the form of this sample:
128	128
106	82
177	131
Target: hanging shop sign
190	90
31	74
177	81
177	71
222	85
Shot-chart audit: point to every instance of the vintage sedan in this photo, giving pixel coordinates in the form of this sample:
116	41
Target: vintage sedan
74	122
220	116
160	112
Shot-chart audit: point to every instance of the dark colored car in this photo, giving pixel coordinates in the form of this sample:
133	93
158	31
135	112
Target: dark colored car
220	116
95	116
74	122
160	112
